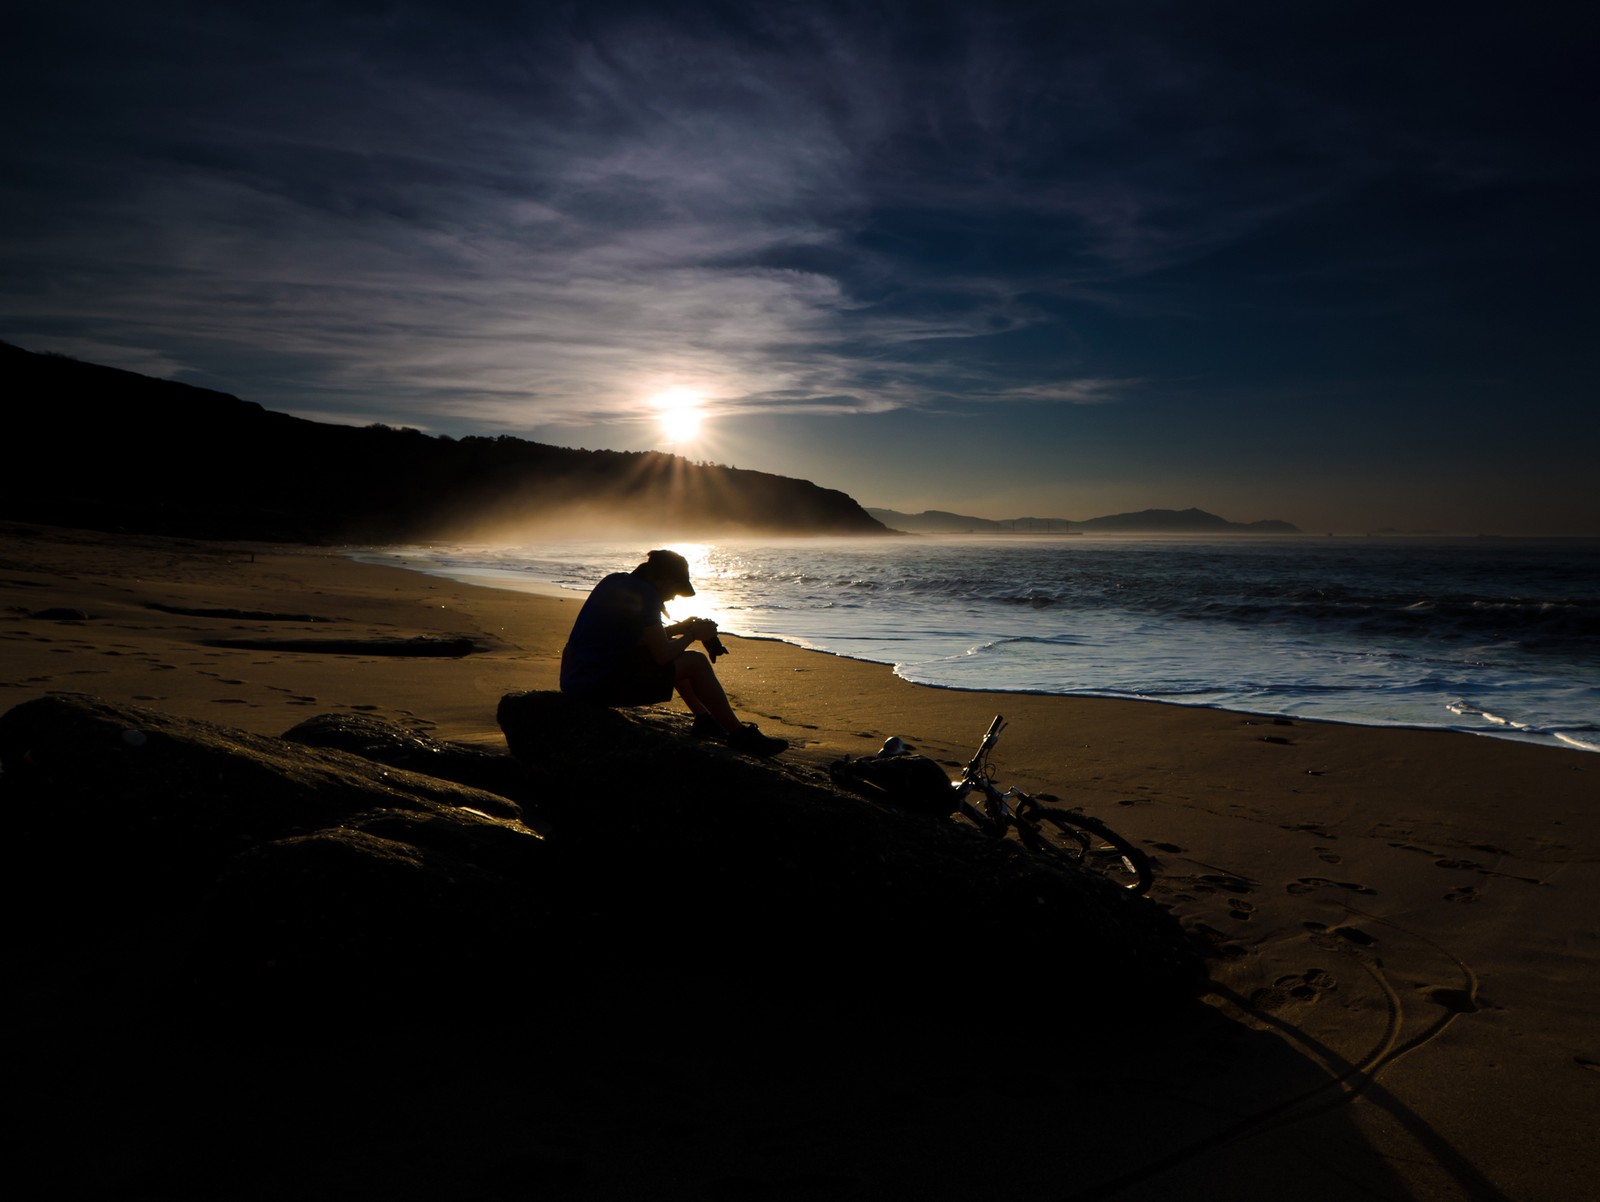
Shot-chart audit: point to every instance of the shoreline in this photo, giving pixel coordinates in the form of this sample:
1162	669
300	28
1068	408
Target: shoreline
1408	912
509	580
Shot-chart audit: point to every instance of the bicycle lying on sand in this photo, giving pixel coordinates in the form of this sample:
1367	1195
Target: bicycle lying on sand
1079	839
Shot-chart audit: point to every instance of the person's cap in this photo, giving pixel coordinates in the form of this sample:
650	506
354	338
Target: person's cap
672	568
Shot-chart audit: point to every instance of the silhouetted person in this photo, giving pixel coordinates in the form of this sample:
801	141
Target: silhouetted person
620	654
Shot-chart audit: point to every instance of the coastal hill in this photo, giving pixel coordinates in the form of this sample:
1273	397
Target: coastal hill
1146	521
100	448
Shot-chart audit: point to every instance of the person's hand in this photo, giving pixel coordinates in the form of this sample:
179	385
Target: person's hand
694	628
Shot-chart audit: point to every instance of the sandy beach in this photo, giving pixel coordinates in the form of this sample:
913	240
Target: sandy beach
1404	925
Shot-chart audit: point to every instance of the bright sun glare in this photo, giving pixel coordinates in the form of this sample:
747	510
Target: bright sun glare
678	413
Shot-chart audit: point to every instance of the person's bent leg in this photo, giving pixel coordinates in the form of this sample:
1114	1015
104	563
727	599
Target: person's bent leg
702	692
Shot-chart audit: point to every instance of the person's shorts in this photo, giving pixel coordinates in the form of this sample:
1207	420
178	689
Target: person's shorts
640	681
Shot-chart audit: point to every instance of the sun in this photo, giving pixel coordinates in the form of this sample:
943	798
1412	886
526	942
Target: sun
678	413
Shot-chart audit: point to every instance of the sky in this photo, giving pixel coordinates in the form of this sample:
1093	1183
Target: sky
1330	263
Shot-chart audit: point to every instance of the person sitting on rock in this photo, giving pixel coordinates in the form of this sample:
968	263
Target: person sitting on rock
619	653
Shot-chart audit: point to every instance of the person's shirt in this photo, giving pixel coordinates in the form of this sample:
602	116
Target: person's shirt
609	627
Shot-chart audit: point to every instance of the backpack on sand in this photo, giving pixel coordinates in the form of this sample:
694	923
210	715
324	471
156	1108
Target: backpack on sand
907	782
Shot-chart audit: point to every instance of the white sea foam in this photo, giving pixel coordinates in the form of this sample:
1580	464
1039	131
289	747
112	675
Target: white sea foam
1591	743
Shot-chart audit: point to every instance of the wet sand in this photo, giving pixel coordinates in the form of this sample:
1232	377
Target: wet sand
1405	925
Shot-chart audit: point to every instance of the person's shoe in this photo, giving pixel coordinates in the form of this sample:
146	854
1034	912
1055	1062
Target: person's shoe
706	727
749	739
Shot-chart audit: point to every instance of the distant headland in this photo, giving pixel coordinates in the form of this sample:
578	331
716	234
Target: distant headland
100	448
1146	521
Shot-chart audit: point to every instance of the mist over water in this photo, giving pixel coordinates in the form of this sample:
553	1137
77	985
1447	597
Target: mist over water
1495	636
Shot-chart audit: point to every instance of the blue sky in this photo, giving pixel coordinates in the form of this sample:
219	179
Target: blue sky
1327	262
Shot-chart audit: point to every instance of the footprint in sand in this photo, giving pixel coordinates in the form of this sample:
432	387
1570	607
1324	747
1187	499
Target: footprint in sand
1314	828
1241	910
1218	943
1308	884
1465	893
1329	937
1305	986
293	698
1457	1001
1228	884
1311	982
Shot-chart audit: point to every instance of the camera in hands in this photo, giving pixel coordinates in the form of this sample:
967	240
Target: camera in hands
705	630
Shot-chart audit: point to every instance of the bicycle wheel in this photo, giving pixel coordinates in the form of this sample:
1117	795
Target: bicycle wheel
1086	842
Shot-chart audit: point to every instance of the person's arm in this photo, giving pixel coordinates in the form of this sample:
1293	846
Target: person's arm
663	649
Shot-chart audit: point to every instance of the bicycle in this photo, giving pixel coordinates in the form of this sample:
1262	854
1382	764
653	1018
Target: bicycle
1081	840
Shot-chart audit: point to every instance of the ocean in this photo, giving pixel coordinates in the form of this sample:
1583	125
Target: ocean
1494	636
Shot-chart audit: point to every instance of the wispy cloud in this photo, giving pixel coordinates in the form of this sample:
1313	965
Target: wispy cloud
476	220
544	239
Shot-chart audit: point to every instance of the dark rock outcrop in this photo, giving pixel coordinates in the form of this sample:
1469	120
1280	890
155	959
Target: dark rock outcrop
224	869
250	865
245	965
417	751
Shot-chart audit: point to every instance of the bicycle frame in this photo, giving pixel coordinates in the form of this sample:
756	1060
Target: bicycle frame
996	813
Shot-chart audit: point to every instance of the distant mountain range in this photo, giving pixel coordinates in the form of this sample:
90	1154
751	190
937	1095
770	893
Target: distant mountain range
1146	521
96	447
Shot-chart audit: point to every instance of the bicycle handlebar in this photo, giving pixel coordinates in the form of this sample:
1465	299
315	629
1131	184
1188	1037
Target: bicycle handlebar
989	738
